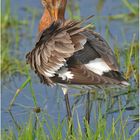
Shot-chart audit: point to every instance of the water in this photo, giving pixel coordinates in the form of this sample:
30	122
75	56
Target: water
52	99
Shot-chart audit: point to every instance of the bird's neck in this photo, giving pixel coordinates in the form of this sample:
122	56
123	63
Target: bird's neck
45	21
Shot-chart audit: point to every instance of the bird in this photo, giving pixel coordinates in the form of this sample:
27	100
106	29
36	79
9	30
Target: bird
66	52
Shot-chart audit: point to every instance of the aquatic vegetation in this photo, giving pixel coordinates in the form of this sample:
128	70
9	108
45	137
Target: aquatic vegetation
73	10
106	102
46	129
10	39
131	16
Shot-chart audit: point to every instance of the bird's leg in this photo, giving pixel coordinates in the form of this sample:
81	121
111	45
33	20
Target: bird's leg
88	108
87	112
69	114
65	91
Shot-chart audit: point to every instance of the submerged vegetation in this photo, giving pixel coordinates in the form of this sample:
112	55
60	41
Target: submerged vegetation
104	104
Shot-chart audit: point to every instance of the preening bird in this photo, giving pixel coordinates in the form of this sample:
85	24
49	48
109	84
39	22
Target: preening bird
68	53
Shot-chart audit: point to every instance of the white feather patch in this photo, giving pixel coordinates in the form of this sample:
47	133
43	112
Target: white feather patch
51	72
98	66
65	74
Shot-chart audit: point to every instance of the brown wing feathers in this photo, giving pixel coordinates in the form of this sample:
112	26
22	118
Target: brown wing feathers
64	49
51	52
59	47
82	76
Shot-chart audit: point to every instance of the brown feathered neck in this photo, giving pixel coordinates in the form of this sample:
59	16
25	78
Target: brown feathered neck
53	10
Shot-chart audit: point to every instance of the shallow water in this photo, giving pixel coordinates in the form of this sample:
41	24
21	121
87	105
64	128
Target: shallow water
52	99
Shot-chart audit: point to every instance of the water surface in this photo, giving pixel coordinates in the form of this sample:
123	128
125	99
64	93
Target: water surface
52	99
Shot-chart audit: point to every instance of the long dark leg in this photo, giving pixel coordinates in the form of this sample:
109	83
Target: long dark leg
69	114
88	111
88	108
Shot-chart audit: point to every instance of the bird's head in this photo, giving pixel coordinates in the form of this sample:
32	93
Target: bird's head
53	10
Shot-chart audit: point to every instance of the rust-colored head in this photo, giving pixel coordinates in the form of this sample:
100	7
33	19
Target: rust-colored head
53	10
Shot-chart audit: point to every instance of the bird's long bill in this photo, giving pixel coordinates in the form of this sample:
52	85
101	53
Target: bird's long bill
54	10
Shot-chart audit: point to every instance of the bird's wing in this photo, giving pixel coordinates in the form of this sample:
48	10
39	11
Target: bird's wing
83	76
96	41
96	62
53	48
68	53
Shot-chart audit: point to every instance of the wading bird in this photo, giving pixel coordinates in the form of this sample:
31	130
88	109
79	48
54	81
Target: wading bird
67	53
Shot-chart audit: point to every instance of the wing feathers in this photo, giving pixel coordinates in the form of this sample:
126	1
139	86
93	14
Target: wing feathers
71	46
101	47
